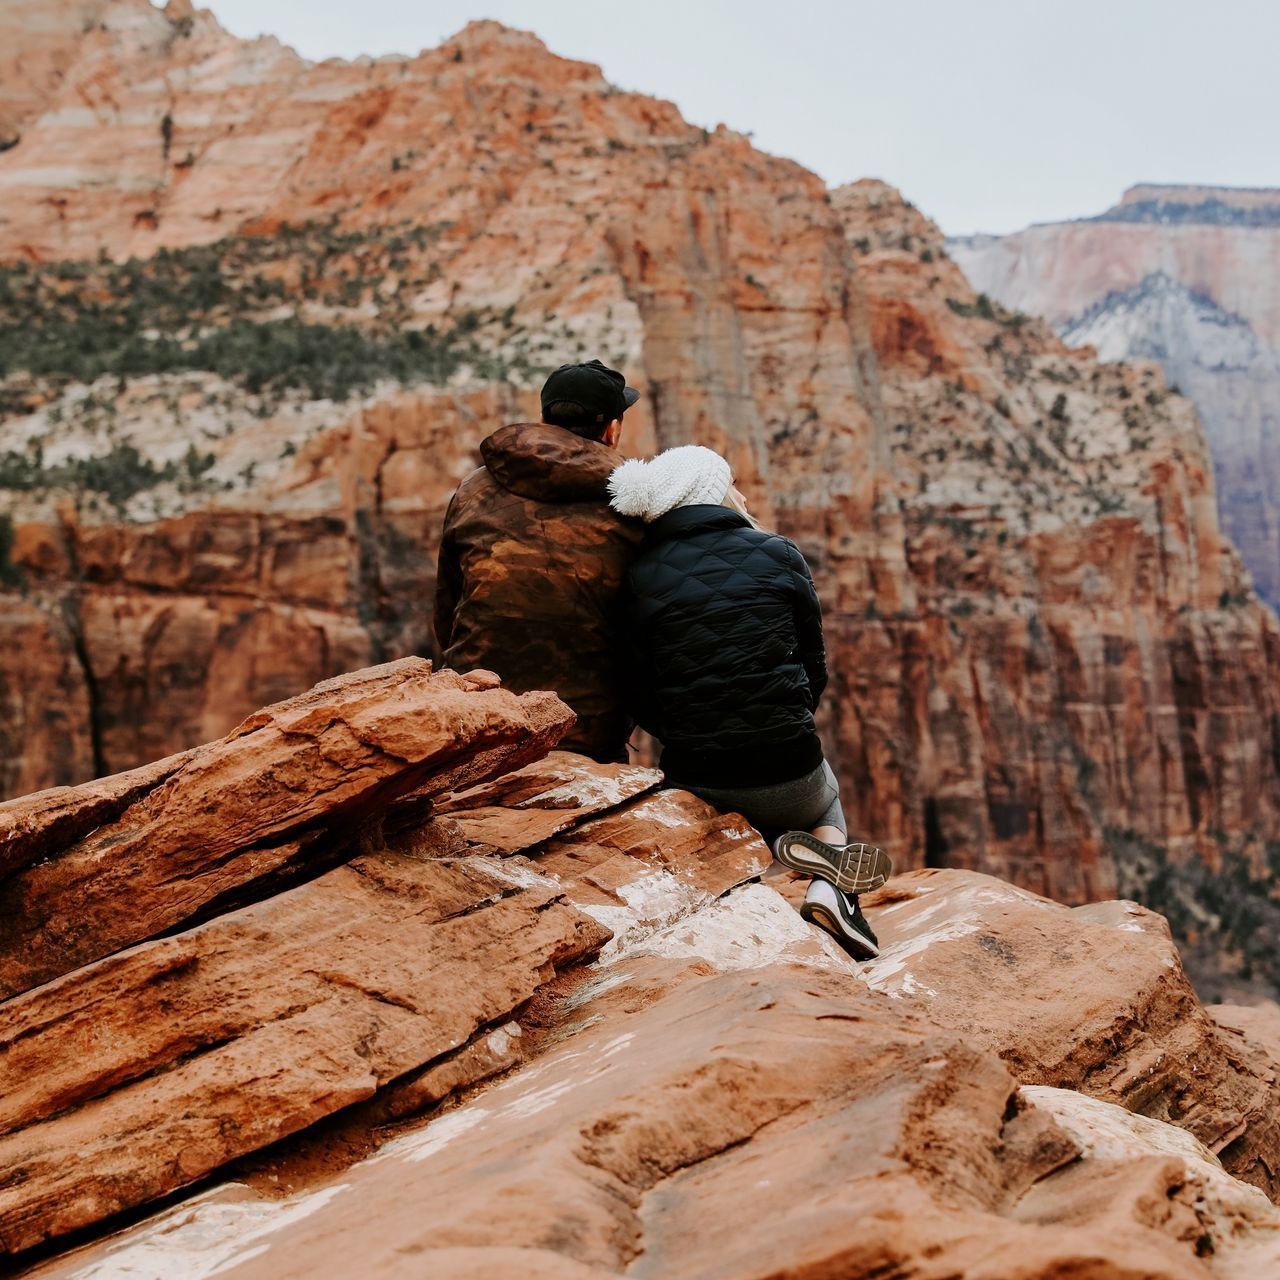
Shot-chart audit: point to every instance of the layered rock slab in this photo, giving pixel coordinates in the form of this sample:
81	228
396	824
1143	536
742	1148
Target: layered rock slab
634	858
1242	1226
39	825
529	806
402	968
158	1065
1090	998
275	793
777	1120
639	864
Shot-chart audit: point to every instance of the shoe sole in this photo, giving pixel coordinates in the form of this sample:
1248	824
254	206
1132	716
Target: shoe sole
857	868
857	946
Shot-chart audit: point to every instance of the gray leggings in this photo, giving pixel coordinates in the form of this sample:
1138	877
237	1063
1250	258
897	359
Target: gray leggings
798	805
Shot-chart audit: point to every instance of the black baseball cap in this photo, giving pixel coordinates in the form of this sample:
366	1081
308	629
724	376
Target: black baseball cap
601	391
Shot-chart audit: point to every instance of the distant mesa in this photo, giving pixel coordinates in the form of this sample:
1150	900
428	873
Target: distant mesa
1193	205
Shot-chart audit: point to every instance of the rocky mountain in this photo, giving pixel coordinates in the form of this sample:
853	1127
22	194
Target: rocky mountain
256	314
1190	277
430	997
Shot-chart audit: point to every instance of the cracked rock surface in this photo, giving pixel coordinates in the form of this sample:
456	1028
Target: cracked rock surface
586	1041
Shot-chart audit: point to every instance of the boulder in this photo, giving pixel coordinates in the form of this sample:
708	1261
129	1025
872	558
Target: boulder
1242	1227
158	1065
281	792
1090	998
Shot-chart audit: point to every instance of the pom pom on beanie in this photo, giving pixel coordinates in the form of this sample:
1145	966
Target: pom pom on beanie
686	476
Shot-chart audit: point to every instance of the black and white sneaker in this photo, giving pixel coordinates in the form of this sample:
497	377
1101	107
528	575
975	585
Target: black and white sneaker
841	916
854	868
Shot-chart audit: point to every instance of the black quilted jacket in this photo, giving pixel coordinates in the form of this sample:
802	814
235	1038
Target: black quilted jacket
725	656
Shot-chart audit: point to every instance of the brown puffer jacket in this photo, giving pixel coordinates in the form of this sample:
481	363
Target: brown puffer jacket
531	572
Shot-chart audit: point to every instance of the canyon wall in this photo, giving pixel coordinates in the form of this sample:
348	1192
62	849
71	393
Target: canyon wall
1187	276
256	316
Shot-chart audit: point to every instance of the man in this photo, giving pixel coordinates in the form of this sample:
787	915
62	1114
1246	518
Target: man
533	559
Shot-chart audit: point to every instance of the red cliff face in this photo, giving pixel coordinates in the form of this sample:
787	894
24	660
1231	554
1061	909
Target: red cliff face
1188	276
1098	673
227	459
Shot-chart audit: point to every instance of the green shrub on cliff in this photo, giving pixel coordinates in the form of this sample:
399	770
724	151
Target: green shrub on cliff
117	475
216	308
10	574
328	361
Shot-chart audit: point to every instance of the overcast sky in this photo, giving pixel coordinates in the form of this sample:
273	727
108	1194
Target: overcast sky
989	114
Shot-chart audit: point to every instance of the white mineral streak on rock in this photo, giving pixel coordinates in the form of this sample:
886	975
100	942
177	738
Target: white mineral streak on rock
667	809
515	871
510	1100
958	914
650	902
750	928
912	986
435	1136
599	983
593	791
205	1236
1245	1226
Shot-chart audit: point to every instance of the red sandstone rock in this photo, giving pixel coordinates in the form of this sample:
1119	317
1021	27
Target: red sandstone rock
38	43
1092	999
1258	1025
40	825
652	862
681	1134
528	807
394	970
156	1066
290	782
708	1098
1062	538
46	709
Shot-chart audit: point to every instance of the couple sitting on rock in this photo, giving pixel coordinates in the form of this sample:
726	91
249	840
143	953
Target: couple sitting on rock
644	592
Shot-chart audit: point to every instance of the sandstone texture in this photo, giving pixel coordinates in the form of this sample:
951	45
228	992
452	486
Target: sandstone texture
200	829
1014	1089
1187	276
1124	1026
170	1060
46	822
249	353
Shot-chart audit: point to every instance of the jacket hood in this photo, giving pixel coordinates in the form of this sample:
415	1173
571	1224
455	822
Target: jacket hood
549	464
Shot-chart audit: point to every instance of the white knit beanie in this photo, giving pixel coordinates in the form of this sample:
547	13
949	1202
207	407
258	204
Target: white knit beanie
686	476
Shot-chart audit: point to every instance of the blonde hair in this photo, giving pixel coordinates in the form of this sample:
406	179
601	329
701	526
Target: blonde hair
733	500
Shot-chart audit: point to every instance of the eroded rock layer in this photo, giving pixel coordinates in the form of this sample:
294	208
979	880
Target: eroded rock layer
1013	1089
248	807
226	458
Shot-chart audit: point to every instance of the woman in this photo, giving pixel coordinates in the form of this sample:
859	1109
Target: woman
727	666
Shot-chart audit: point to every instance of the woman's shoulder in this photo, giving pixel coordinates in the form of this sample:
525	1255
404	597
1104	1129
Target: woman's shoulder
777	544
